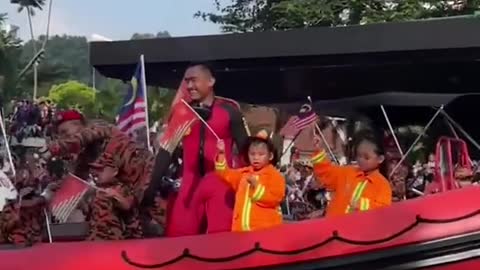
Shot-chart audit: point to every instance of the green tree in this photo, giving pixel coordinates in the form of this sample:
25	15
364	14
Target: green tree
161	34
10	50
29	6
111	92
109	98
65	59
74	94
28	3
261	15
159	101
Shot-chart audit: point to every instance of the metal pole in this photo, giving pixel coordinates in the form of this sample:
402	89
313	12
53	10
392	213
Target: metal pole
7	146
391	129
94	86
450	126
47	223
288	206
416	140
452	129
145	96
339	131
291	143
326	144
455	124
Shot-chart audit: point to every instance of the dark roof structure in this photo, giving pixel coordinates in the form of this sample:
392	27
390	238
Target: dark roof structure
343	106
402	108
431	56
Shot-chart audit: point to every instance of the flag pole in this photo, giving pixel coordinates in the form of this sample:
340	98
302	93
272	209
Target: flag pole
7	145
47	224
145	96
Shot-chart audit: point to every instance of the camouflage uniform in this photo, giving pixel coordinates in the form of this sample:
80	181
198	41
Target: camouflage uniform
134	171
108	222
24	225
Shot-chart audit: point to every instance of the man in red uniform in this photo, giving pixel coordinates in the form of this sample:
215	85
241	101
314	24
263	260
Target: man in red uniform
202	195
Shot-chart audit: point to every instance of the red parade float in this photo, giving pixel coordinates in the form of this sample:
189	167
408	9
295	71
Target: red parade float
435	231
407	235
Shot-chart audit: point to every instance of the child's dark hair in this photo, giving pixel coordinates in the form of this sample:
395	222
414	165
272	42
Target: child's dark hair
376	140
259	141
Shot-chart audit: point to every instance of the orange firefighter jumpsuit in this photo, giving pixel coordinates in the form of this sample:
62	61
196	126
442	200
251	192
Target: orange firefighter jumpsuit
354	190
257	208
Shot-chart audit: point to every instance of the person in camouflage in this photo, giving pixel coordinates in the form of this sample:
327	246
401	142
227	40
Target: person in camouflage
129	167
22	221
23	225
115	213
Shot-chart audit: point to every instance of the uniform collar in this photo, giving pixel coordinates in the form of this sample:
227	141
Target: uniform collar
369	176
264	169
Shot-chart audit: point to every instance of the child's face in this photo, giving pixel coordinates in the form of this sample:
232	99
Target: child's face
367	159
259	156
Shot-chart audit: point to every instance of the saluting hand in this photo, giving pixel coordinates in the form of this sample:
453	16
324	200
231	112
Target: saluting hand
221	146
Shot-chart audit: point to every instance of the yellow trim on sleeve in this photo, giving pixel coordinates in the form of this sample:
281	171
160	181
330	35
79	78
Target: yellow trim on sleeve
319	157
258	193
364	204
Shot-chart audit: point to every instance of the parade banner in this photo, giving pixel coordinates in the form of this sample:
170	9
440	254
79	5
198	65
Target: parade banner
67	197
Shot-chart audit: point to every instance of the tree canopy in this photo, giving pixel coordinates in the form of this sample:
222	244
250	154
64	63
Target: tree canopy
73	94
261	15
38	4
10	50
161	34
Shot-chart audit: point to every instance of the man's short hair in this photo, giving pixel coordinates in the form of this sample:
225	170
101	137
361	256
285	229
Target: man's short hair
204	65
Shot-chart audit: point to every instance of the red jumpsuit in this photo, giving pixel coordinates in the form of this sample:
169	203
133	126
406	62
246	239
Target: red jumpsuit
203	197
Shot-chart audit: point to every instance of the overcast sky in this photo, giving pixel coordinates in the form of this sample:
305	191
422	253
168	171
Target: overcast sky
117	19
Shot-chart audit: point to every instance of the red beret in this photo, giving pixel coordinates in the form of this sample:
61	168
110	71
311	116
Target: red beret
69	115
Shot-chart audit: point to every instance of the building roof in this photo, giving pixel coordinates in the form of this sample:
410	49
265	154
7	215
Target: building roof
434	56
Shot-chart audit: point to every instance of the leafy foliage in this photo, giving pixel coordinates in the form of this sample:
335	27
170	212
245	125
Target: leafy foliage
30	4
161	34
66	59
261	15
76	95
65	72
109	98
10	50
159	100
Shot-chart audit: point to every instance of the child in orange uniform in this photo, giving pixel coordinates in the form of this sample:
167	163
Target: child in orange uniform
357	188
259	188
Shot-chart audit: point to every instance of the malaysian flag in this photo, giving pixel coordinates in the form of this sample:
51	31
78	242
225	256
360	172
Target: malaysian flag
67	197
299	122
182	93
133	113
179	121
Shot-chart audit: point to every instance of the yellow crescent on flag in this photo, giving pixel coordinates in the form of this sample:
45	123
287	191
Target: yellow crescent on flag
134	83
